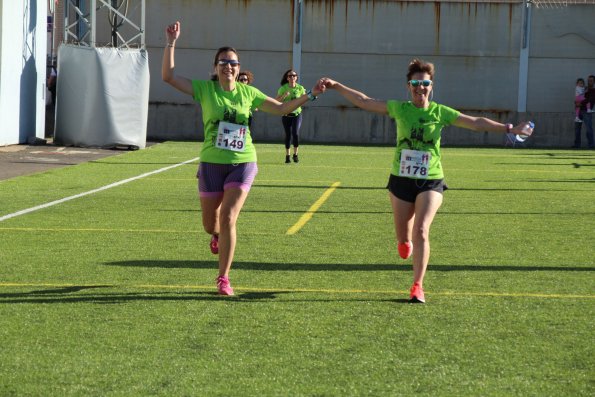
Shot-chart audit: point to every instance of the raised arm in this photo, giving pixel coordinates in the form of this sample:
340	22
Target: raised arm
357	98
485	124
272	105
168	65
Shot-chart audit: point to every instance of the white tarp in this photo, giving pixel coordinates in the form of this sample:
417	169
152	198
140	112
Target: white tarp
102	97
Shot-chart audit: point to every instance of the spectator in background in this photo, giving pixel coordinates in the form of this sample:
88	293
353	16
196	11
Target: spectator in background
53	82
50	108
246	77
579	97
290	89
587	116
590	94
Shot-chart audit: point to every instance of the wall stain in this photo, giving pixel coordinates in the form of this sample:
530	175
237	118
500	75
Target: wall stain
437	25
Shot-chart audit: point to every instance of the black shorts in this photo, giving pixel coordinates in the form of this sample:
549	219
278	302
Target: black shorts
407	188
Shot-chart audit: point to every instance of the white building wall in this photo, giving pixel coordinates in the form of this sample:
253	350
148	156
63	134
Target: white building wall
367	44
475	46
22	70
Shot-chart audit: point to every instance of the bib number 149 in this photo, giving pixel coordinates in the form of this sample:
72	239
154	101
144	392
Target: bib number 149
231	136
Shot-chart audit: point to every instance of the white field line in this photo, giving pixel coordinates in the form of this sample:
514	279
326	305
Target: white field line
106	187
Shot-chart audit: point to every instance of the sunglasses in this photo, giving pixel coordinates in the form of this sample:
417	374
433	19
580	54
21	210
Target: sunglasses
292	75
417	83
243	79
232	62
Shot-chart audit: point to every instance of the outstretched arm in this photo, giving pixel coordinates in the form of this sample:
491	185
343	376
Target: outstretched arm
357	98
168	65
272	105
485	124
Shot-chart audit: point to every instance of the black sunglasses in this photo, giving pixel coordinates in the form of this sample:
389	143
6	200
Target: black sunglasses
416	83
292	75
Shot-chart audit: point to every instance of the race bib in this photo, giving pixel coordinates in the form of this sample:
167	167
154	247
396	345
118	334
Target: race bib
231	136
415	164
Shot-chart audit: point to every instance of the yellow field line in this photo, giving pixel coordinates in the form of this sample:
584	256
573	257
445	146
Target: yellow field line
308	215
299	290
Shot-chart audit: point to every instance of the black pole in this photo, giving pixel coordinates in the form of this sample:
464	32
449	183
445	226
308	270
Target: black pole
115	25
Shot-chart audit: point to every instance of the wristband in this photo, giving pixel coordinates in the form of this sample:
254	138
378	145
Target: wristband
311	96
171	45
508	128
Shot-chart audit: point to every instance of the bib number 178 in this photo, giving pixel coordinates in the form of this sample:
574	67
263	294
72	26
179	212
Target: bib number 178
414	164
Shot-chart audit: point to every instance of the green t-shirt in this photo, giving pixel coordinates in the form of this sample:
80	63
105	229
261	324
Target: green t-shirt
231	106
294	93
420	129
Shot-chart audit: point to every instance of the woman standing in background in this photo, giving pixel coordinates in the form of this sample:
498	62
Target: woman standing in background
292	121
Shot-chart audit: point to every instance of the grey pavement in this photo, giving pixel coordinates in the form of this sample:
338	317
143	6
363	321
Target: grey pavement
17	160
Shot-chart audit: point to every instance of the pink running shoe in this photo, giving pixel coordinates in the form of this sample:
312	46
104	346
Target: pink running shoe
214	244
405	249
417	294
224	286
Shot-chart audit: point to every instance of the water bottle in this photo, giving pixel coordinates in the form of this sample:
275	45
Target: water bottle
521	137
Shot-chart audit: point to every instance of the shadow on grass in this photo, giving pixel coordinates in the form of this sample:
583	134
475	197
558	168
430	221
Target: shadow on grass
508	189
338	267
103	297
441	212
294	211
588	180
573	165
68	295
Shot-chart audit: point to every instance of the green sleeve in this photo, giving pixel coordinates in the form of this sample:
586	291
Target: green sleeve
259	97
281	89
449	115
393	106
198	87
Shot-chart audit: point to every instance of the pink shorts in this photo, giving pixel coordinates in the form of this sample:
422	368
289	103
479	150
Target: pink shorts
214	179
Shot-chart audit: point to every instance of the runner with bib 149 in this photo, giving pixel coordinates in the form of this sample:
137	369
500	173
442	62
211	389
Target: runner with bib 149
416	181
227	157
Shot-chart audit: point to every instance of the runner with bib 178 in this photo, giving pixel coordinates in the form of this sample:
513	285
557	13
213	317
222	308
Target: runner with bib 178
416	181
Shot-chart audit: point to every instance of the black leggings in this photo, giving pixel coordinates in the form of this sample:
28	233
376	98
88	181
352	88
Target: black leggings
292	125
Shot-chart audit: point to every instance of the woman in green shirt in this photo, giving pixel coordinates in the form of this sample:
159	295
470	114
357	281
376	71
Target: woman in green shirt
228	157
416	179
289	90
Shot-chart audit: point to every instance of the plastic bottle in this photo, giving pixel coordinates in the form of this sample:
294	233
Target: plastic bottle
521	137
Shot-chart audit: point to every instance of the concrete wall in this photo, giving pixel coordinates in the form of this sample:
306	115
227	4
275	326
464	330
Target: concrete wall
22	70
368	44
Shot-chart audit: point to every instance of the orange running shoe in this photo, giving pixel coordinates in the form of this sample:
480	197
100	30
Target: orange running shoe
417	294
405	249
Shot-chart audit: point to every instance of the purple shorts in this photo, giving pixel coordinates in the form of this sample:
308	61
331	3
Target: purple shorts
214	179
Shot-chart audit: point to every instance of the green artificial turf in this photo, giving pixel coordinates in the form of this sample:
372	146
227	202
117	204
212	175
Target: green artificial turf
113	293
